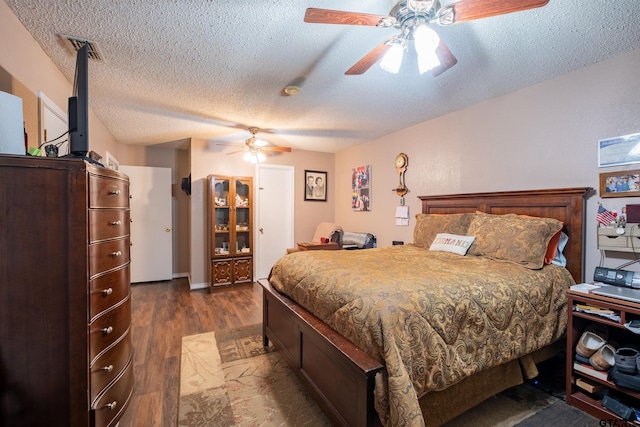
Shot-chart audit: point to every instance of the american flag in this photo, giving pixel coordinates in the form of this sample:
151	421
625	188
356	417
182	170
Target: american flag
604	217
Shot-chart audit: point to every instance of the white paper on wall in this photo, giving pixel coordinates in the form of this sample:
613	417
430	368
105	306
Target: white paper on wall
402	215
11	124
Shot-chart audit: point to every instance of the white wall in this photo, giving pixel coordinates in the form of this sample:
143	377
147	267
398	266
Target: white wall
544	136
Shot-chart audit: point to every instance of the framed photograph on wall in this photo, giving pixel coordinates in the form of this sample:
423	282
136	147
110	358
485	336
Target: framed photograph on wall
361	188
620	184
315	186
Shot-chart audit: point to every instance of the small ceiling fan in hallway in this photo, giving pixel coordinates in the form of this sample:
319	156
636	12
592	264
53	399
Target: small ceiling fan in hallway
256	150
414	19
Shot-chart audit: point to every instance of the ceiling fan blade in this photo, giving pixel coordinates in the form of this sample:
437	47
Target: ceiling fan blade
369	59
280	149
328	16
468	10
447	60
234	152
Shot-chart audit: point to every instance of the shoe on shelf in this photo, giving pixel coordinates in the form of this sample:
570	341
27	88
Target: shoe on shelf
604	358
599	329
589	343
627	360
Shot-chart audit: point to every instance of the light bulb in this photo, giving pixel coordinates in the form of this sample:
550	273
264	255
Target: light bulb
393	58
425	39
427	60
247	156
261	157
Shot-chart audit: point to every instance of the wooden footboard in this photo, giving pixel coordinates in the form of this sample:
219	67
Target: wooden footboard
339	376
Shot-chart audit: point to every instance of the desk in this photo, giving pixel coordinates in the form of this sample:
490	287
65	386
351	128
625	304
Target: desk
317	246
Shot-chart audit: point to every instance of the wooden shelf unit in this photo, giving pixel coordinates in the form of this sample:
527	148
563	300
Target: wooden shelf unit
230	229
578	321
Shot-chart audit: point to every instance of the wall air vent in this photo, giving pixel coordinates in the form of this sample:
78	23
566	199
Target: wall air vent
76	43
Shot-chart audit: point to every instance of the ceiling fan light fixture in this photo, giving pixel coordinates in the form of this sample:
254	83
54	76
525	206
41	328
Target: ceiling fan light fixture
393	58
426	39
427	61
260	143
254	156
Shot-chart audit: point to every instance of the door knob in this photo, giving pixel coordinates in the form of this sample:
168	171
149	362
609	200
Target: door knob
168	229
261	230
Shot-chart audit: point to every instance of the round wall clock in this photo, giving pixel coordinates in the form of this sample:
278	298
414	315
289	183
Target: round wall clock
401	161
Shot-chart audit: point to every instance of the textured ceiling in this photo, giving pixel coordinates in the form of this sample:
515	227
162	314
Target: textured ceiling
176	69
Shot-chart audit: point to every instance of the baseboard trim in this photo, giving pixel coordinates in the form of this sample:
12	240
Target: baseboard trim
195	286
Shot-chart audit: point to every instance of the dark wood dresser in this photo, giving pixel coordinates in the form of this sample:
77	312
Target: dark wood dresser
65	297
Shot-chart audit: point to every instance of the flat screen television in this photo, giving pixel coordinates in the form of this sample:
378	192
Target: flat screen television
78	109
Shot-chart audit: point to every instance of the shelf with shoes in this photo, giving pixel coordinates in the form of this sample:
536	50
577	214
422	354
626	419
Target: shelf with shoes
593	340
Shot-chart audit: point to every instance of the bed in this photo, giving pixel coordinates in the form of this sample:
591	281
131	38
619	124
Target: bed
388	377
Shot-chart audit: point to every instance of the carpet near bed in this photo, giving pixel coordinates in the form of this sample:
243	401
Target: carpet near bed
228	378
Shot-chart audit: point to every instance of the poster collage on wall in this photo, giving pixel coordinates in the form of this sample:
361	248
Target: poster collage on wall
361	188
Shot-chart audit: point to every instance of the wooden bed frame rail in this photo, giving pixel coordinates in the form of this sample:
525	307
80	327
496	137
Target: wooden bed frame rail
339	376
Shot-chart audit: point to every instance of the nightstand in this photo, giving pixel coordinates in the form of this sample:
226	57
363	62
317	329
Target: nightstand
317	246
577	394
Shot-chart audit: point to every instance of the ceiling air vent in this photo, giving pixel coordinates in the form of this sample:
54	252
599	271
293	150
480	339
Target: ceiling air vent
76	43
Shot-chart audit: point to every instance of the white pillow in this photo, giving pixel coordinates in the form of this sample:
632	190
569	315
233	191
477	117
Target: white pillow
452	243
560	258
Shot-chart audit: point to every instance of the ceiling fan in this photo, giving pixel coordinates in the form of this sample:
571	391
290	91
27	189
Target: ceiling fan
414	19
256	150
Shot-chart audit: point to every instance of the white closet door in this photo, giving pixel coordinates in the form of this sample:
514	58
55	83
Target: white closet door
151	234
275	220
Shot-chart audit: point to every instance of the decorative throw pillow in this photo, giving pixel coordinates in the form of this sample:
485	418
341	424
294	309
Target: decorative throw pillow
428	225
513	238
451	243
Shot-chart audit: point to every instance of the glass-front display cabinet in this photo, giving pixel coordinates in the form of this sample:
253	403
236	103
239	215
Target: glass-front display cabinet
231	229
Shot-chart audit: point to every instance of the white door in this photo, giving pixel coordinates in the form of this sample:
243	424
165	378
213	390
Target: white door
151	235
53	123
274	225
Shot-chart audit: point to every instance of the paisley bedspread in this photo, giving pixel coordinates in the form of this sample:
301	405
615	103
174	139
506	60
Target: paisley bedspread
432	318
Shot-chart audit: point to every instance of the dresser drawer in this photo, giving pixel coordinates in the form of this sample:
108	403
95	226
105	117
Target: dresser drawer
108	328
105	224
108	289
108	366
108	255
108	192
110	405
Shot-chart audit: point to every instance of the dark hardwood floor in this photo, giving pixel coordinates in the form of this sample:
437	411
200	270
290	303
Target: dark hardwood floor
164	312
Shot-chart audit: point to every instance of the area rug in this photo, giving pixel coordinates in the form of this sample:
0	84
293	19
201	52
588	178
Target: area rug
228	378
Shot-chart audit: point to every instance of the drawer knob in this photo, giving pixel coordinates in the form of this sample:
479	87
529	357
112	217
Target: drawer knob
116	254
116	223
107	291
111	405
107	330
115	192
108	368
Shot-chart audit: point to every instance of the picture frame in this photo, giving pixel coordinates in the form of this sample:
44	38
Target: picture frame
315	186
620	184
361	189
621	150
111	162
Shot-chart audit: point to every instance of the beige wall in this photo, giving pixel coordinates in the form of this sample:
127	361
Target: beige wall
208	158
544	136
22	58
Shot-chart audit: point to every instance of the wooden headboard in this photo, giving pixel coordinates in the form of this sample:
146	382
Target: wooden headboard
564	204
